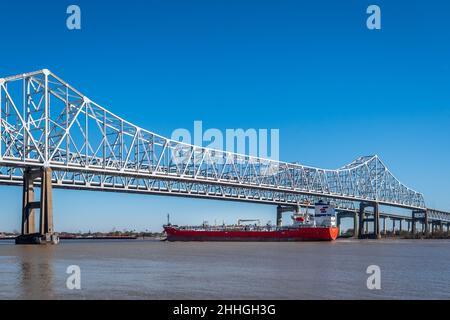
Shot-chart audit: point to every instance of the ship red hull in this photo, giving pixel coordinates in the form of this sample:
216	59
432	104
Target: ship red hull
299	234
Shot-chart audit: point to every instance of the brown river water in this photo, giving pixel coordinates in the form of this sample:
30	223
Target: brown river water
146	269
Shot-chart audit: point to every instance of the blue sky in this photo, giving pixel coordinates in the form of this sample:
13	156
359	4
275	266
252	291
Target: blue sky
311	69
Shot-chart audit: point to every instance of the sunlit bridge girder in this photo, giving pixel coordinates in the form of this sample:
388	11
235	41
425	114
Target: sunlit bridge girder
46	122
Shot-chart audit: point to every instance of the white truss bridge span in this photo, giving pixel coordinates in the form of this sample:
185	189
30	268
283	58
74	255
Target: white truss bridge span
45	122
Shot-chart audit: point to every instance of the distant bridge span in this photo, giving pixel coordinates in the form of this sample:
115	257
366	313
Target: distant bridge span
46	123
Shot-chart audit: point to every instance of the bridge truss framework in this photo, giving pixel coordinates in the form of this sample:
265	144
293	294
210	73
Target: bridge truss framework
46	123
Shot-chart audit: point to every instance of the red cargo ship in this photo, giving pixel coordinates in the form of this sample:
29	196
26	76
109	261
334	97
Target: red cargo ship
320	227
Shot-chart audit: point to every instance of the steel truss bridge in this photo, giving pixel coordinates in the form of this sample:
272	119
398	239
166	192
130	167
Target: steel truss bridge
46	123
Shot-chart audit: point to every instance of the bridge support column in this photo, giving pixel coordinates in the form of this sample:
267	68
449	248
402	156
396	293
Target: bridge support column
364	232
338	223
362	217
400	229
46	232
281	210
384	226
422	217
279	216
28	212
46	218
356	225
376	222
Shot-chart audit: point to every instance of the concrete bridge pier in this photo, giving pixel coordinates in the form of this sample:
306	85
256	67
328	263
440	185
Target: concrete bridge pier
356	225
46	234
279	216
420	216
437	226
338	223
282	209
363	220
28	211
426	223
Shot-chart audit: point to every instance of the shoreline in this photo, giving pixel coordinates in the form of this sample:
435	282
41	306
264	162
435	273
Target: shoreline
94	238
162	238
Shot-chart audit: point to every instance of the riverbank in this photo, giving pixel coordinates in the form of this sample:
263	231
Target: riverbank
114	235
